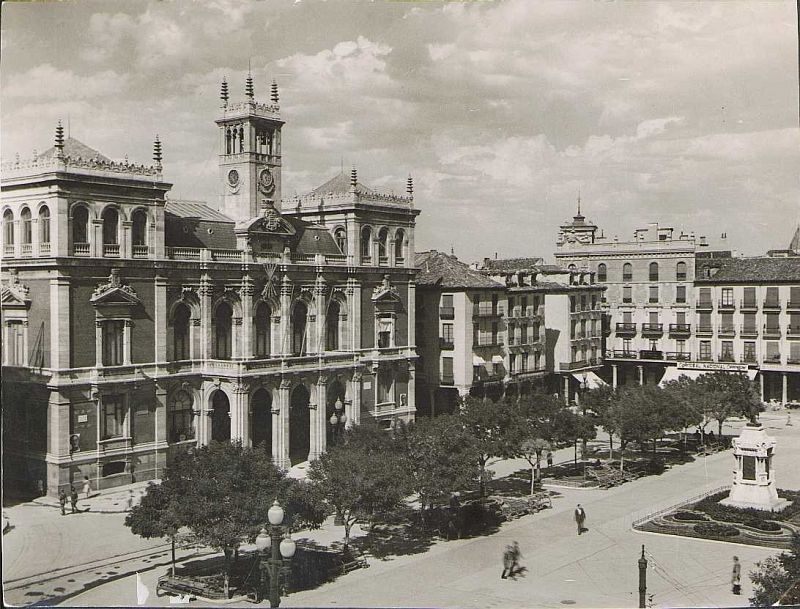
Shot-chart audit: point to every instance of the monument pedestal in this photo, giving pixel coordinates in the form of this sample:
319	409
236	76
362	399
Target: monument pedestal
754	478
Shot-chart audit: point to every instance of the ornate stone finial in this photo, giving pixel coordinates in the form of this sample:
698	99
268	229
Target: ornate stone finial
248	87
353	178
410	186
223	92
579	204
59	138
157	152
274	94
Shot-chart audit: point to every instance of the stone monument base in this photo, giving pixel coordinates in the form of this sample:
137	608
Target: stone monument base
757	497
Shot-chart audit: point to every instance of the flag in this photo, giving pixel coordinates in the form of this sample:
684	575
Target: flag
142	591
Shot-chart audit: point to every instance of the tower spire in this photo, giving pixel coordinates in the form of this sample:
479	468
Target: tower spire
353	179
223	92
248	88
157	152
59	139
579	201
410	186
274	95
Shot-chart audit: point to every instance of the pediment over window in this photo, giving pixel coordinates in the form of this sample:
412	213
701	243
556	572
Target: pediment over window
114	293
385	292
15	296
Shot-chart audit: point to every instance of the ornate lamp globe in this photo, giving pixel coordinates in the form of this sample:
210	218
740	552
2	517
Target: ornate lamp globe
275	514
338	404
288	547
263	541
334	419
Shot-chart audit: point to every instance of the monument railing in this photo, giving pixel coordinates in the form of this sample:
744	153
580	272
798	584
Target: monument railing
659	512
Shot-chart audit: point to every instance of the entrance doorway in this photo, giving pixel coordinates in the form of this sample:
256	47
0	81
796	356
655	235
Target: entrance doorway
221	417
299	425
261	423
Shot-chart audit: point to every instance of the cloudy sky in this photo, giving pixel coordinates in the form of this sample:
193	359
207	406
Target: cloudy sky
681	113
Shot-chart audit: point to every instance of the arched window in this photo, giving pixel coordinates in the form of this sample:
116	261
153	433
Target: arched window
399	247
654	271
571	267
299	316
341	239
228	146
366	244
80	226
680	271
332	327
180	332
44	225
262	330
602	272
27	227
383	239
110	226
223	339
181	426
8	229
139	228
627	272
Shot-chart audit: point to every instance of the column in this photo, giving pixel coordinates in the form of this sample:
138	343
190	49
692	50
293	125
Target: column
95	238
126	240
240	414
280	425
412	386
160	313
246	295
160	434
761	384
319	403
784	388
566	389
412	316
355	398
286	314
98	344
126	342
205	316
613	376
58	412
60	330
237	323
354	314
641	374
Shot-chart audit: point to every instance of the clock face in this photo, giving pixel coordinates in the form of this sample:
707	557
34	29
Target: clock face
233	178
266	183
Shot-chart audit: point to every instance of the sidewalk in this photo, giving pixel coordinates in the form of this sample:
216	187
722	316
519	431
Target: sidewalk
109	501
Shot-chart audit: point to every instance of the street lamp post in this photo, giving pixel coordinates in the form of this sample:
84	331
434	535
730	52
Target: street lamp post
277	565
338	421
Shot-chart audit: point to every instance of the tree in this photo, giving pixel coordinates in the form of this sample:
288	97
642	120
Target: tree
729	394
156	515
438	458
569	426
495	430
777	577
635	414
688	407
532	450
599	401
360	477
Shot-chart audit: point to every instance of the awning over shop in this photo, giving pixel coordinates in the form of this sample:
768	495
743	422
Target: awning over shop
592	380
673	374
477	360
497	359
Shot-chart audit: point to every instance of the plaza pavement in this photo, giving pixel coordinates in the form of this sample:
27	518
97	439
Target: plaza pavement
596	569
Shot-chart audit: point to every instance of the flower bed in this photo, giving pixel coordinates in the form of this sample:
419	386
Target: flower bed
689	516
715	529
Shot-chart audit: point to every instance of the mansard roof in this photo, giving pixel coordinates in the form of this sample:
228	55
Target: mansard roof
76	149
749	270
438	268
340	185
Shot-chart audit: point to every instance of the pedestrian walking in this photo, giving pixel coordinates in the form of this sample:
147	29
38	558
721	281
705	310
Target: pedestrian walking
62	499
130	500
549	459
73	499
580	518
508	559
736	576
87	486
516	554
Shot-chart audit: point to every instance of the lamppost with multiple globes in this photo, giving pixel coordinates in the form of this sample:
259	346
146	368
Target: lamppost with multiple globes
338	422
277	565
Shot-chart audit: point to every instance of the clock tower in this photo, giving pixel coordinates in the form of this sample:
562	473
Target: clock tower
250	154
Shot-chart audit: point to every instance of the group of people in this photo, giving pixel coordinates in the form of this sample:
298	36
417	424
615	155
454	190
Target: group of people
73	496
511	557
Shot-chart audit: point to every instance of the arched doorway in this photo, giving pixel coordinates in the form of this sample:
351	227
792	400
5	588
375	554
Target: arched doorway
261	422
299	339
299	425
220	418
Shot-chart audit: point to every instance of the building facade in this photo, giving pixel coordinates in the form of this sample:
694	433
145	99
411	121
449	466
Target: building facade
134	325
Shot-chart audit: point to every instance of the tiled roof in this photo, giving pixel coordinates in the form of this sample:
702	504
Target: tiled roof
510	265
340	185
195	209
74	148
750	270
438	268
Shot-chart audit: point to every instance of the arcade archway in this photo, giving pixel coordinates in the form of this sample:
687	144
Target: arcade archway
261	422
299	425
220	417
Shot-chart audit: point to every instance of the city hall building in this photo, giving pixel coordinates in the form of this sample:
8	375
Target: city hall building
134	325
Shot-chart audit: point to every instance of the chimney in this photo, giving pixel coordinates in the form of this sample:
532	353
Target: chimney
495	255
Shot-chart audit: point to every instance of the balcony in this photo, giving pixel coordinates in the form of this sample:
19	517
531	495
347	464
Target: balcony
704	304
680	329
490	342
447	312
748	305
647	354
705	358
80	249
726	305
111	250
399	261
623	354
27	249
727	331
793	304
772	332
678	356
771	305
44	248
577	365
487	312
749	358
652	329
705	329
793	360
141	251
626	329
727	357
446	343
775	358
748	332
793	331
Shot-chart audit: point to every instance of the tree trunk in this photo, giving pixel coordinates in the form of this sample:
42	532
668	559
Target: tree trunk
227	575
655	447
610	446
622	456
575	456
348	524
720	422
173	555
481	482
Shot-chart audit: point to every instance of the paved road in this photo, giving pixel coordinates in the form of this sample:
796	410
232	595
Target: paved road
597	569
